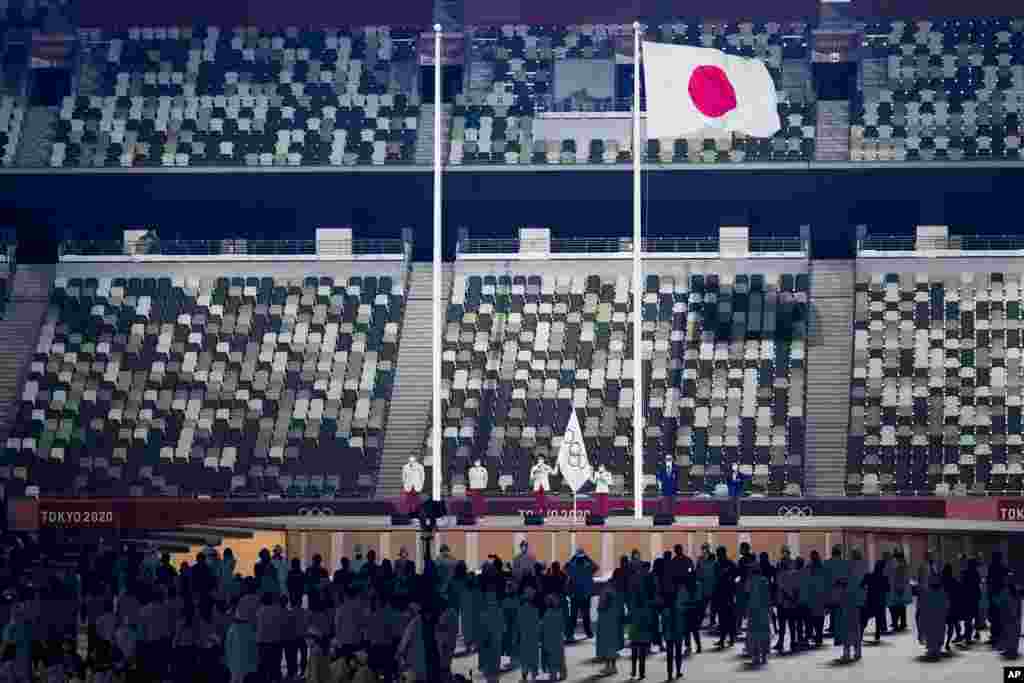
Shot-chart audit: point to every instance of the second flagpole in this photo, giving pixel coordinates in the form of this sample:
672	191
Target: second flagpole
638	375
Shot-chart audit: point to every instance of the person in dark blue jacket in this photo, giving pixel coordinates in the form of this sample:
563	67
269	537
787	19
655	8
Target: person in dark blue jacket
581	570
668	483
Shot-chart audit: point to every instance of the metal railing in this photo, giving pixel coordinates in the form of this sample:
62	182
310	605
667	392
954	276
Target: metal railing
965	243
886	243
759	245
241	247
986	242
624	245
681	245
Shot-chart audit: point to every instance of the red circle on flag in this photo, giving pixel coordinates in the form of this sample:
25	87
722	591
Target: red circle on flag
711	91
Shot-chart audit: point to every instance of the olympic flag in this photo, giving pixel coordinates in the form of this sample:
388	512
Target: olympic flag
572	456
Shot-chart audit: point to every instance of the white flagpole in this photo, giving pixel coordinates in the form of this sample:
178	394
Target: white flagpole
638	375
435	436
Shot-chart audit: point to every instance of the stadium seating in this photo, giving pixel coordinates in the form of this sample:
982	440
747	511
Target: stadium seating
149	386
494	124
12	113
723	371
952	89
935	402
202	96
30	13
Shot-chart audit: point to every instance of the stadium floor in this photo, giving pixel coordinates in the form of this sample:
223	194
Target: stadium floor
898	658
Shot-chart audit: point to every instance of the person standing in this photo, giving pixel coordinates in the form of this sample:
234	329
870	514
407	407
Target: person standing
581	570
523	563
349	624
759	636
269	622
293	638
641	631
849	631
296	582
996	587
478	478
540	477
492	626
877	585
413	478
673	630
836	569
816	591
955	600
18	635
690	602
789	600
668	482
553	640
411	651
528	621
743	564
725	598
609	629
602	487
469	607
707	576
510	612
932	613
1010	646
900	594
970	584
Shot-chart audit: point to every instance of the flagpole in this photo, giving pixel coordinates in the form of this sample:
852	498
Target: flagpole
435	436
638	376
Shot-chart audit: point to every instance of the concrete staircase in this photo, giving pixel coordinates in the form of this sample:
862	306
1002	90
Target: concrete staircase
409	413
872	76
832	134
36	137
425	135
796	79
829	356
19	334
89	76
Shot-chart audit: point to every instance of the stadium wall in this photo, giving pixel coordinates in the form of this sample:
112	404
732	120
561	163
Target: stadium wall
595	203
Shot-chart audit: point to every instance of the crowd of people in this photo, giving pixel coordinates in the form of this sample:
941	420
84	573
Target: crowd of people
142	619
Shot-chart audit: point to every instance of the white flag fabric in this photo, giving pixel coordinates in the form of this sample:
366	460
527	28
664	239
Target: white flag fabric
572	456
692	89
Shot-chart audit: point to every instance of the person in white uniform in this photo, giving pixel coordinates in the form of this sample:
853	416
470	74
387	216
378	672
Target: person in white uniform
540	476
602	487
477	485
413	478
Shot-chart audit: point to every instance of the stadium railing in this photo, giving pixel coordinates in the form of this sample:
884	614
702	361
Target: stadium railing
228	247
652	246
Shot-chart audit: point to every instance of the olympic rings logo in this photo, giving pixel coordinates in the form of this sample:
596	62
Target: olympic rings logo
795	511
316	512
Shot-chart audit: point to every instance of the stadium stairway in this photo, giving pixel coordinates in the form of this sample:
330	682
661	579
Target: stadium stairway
832	134
425	136
829	363
36	137
407	418
19	333
873	75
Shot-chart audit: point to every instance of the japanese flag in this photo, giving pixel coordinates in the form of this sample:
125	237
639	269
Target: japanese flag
692	89
572	456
